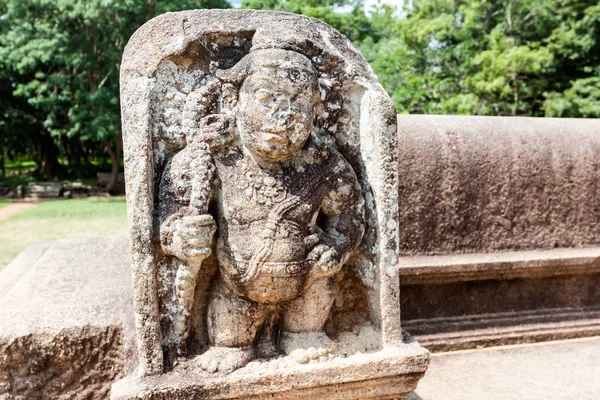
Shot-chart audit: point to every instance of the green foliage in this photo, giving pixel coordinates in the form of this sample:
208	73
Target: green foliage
61	59
493	57
582	99
16	180
59	63
66	55
352	22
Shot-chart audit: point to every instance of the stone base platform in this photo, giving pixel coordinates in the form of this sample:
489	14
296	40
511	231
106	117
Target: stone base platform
462	301
567	369
66	320
390	373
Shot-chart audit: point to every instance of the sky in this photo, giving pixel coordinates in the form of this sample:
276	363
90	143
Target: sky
368	3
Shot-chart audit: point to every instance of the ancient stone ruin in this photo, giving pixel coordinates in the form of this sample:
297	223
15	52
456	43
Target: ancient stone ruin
261	170
491	223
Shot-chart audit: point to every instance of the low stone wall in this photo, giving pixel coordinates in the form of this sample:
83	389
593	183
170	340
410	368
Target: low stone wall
499	229
480	184
66	320
42	190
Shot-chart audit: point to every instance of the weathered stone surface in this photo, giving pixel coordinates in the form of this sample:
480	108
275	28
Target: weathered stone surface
482	184
520	197
66	320
471	300
42	190
260	162
21	265
531	264
388	374
554	370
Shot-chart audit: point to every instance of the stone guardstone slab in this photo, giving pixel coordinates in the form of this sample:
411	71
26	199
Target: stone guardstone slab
66	320
262	192
381	375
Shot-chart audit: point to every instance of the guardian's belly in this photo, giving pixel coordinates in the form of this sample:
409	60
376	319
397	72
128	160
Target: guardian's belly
267	264
265	282
282	242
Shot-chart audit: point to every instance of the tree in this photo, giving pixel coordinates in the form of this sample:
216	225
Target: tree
575	43
508	57
347	16
59	62
63	57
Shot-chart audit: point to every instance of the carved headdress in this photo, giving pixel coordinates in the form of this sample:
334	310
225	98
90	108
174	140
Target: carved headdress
279	59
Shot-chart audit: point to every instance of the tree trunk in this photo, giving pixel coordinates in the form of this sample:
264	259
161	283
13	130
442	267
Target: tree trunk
115	158
2	164
47	156
74	157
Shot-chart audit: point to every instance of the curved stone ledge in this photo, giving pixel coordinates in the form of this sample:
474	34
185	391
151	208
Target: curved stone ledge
415	270
483	184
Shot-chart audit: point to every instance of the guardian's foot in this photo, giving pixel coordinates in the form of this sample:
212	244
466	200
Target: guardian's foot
308	347
224	359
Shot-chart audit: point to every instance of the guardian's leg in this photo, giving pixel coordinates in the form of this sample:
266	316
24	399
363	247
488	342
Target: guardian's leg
233	324
303	320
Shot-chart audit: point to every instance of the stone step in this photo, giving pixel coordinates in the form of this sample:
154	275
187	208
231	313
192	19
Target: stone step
476	300
552	370
447	334
66	320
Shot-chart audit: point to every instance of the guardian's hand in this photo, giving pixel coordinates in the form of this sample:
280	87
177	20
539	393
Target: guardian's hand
191	237
326	260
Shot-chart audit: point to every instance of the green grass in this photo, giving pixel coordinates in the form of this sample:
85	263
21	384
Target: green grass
61	219
25	162
19	163
4	203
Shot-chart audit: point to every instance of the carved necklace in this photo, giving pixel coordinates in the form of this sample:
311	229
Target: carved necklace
265	190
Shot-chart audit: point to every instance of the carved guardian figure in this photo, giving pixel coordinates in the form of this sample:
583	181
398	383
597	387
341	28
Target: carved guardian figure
260	155
289	212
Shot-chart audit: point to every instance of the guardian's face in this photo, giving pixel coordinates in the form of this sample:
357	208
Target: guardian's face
276	112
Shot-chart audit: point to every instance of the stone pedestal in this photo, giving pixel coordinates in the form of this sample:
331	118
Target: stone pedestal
390	373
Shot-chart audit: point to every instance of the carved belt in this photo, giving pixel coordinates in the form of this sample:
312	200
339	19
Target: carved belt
240	270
